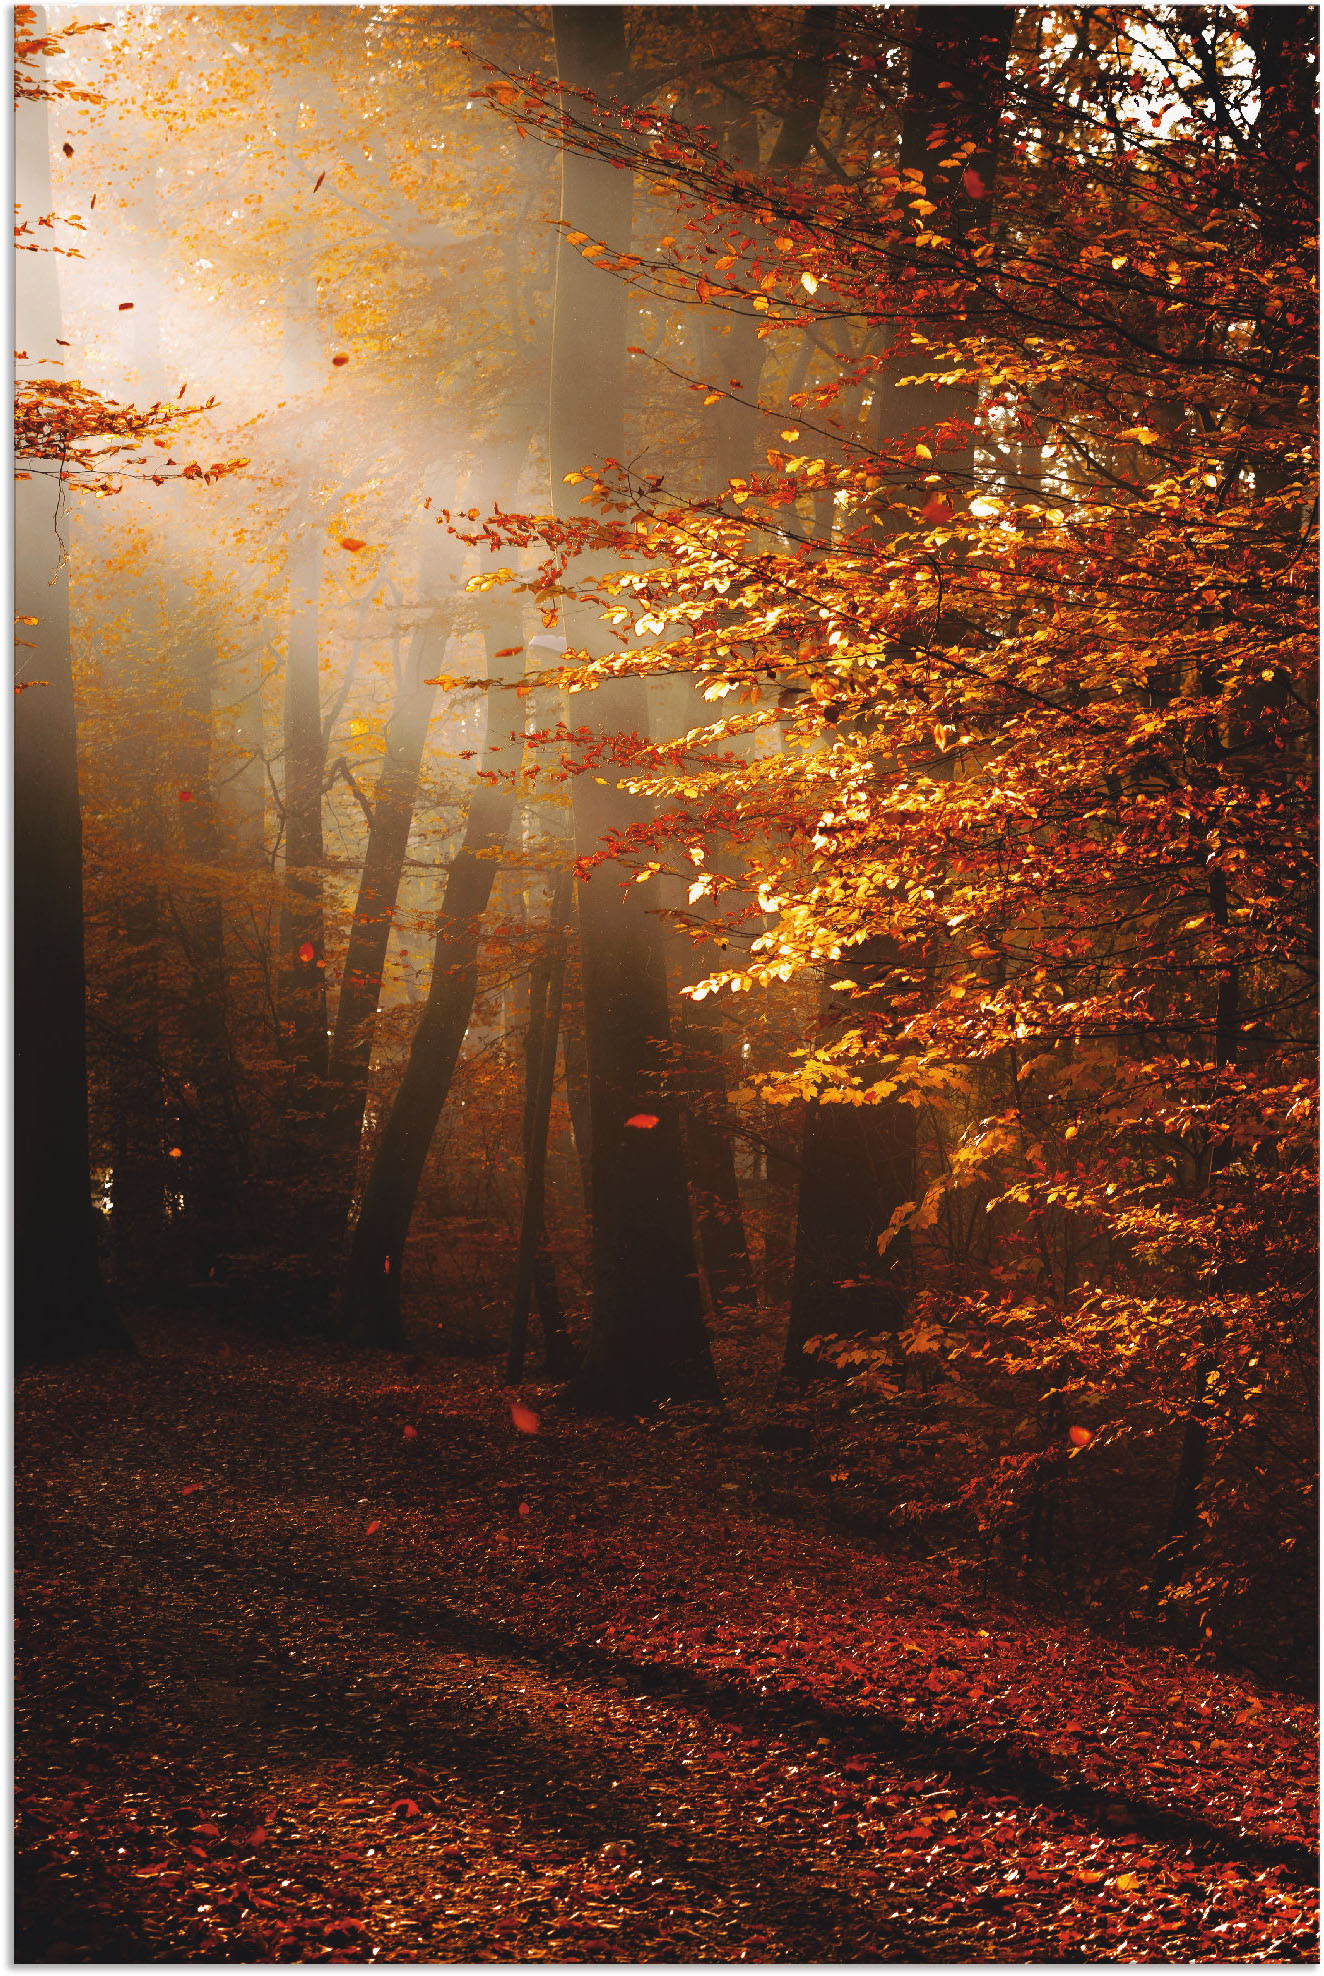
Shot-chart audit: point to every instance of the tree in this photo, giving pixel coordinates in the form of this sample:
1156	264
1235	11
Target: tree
1052	738
648	1340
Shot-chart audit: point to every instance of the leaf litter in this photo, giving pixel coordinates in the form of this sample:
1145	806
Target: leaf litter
584	1697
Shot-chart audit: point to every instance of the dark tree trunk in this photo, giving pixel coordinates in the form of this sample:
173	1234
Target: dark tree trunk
647	1340
60	1305
303	936
859	1162
374	911
371	1305
534	1276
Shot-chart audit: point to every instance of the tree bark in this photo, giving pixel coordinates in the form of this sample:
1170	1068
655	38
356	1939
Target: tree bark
647	1340
374	911
540	1078
60	1305
371	1309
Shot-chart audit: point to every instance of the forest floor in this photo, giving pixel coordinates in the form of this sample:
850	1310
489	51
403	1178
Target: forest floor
323	1660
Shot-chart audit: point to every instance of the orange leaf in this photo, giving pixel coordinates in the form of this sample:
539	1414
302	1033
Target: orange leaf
338	361
645	1121
373	1527
352	543
308	951
525	1419
411	1433
1080	1437
937	509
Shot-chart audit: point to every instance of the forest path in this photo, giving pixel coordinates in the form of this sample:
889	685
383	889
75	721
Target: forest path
323	1661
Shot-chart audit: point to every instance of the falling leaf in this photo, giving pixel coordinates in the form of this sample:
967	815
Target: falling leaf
643	1121
1080	1437
791	434
809	282
923	453
338	361
68	150
509	651
937	509
186	795
525	1419
191	1488
307	951
411	1433
176	1152
318	185
373	1527
524	1510
352	543
974	184
124	306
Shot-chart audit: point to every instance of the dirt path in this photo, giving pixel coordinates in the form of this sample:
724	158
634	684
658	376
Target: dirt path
326	1663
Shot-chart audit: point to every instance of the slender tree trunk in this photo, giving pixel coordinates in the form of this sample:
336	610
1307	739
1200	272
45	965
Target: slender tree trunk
60	1305
648	1340
371	1305
303	942
374	912
544	1024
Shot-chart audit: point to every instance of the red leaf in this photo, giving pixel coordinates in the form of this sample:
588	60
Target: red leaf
308	951
186	795
1080	1437
352	543
191	1488
525	1419
974	184
373	1527
937	509
68	150
524	1510
258	1836
338	361
645	1121
405	1808
411	1433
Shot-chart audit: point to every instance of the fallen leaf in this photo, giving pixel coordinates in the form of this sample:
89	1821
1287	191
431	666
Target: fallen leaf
644	1121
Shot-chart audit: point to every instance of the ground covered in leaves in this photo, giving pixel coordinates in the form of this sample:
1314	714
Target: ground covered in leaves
326	1660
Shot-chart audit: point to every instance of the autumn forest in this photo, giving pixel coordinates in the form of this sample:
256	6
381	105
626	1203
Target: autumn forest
664	984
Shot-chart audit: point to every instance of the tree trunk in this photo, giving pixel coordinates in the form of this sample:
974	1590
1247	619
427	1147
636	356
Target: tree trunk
371	1304
647	1340
60	1305
303	934
374	911
859	1161
540	1078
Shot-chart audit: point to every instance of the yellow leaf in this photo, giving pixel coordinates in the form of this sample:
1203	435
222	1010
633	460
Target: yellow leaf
791	433
809	282
713	398
923	453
